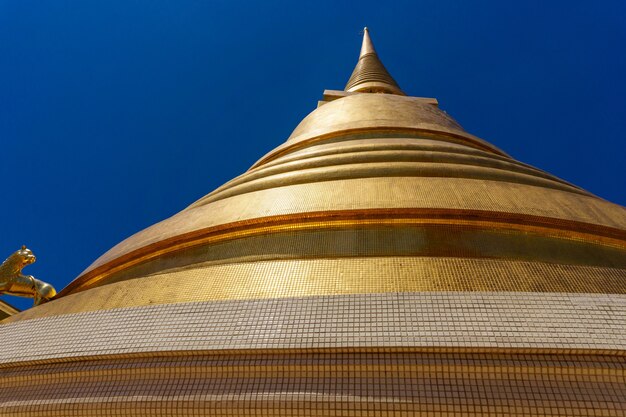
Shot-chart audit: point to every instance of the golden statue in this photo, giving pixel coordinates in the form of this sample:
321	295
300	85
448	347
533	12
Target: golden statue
13	282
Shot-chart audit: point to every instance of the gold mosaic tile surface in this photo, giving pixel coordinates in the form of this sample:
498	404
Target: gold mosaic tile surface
380	193
383	238
306	277
332	384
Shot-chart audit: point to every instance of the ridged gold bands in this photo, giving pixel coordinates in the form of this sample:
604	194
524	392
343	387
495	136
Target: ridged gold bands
388	169
383	132
556	228
293	366
285	383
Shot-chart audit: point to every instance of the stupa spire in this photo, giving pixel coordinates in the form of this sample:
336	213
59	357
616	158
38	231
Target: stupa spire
367	47
370	75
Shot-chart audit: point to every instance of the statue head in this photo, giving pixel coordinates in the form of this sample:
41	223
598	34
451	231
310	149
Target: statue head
26	256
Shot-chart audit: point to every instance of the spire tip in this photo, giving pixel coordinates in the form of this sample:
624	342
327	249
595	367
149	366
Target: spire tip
370	74
367	47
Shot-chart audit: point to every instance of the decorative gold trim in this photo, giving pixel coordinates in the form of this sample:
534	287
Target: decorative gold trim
557	228
478	350
423	133
382	164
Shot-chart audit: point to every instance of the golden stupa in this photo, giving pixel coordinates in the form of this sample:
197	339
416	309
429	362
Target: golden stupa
381	261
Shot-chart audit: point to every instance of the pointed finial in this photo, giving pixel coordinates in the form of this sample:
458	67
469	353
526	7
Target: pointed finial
367	47
370	75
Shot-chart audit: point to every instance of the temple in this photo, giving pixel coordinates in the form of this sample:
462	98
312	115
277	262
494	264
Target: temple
380	261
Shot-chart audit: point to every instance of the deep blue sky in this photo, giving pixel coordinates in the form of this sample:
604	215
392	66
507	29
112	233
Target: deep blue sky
117	114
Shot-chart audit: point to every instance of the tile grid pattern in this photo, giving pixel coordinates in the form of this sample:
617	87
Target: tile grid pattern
319	277
437	319
332	384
